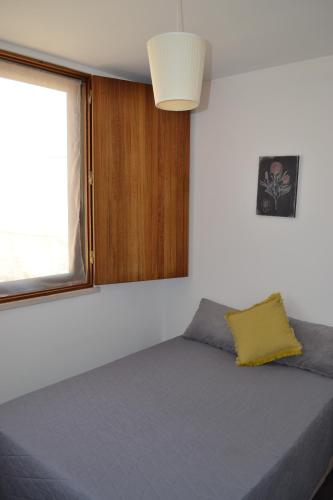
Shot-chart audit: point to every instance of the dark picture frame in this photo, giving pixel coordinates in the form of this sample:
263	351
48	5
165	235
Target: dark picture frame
277	185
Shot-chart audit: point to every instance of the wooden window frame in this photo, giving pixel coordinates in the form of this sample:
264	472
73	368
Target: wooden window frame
87	171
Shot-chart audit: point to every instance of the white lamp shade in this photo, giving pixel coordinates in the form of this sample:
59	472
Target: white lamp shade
176	64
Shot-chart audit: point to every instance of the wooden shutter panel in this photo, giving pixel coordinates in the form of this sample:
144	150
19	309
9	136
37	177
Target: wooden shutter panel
141	184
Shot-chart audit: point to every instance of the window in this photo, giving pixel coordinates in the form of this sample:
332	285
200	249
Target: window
44	193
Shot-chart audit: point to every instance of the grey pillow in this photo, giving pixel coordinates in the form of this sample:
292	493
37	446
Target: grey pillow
317	342
210	327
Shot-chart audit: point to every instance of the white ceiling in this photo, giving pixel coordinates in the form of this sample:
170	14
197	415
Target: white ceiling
110	35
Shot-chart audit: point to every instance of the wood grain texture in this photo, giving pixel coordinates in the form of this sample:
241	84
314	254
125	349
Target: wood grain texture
141	184
37	63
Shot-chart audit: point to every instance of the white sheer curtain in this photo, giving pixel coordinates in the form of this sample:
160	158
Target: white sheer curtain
42	235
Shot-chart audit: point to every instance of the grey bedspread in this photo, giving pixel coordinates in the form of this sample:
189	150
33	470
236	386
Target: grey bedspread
178	421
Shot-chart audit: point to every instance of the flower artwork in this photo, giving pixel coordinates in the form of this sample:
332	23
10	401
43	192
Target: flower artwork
277	185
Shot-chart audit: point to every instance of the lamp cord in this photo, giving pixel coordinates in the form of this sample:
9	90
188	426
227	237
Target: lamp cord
180	23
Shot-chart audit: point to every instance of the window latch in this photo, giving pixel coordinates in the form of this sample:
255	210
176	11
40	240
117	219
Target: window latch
90	178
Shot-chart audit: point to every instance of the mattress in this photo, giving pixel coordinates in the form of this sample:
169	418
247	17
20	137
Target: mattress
178	421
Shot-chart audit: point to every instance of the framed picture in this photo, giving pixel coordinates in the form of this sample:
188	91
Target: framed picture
277	185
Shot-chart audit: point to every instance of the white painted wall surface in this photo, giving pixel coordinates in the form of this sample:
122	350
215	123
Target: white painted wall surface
238	257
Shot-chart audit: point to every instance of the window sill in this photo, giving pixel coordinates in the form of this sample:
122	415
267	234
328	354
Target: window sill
49	298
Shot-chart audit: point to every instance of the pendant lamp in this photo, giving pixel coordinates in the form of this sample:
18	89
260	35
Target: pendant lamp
176	63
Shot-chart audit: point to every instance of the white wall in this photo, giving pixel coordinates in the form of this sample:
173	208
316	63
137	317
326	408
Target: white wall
238	257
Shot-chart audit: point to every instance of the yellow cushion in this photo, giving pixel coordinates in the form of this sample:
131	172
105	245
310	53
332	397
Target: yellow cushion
262	333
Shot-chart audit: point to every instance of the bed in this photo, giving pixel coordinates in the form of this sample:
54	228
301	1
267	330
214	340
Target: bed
178	421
